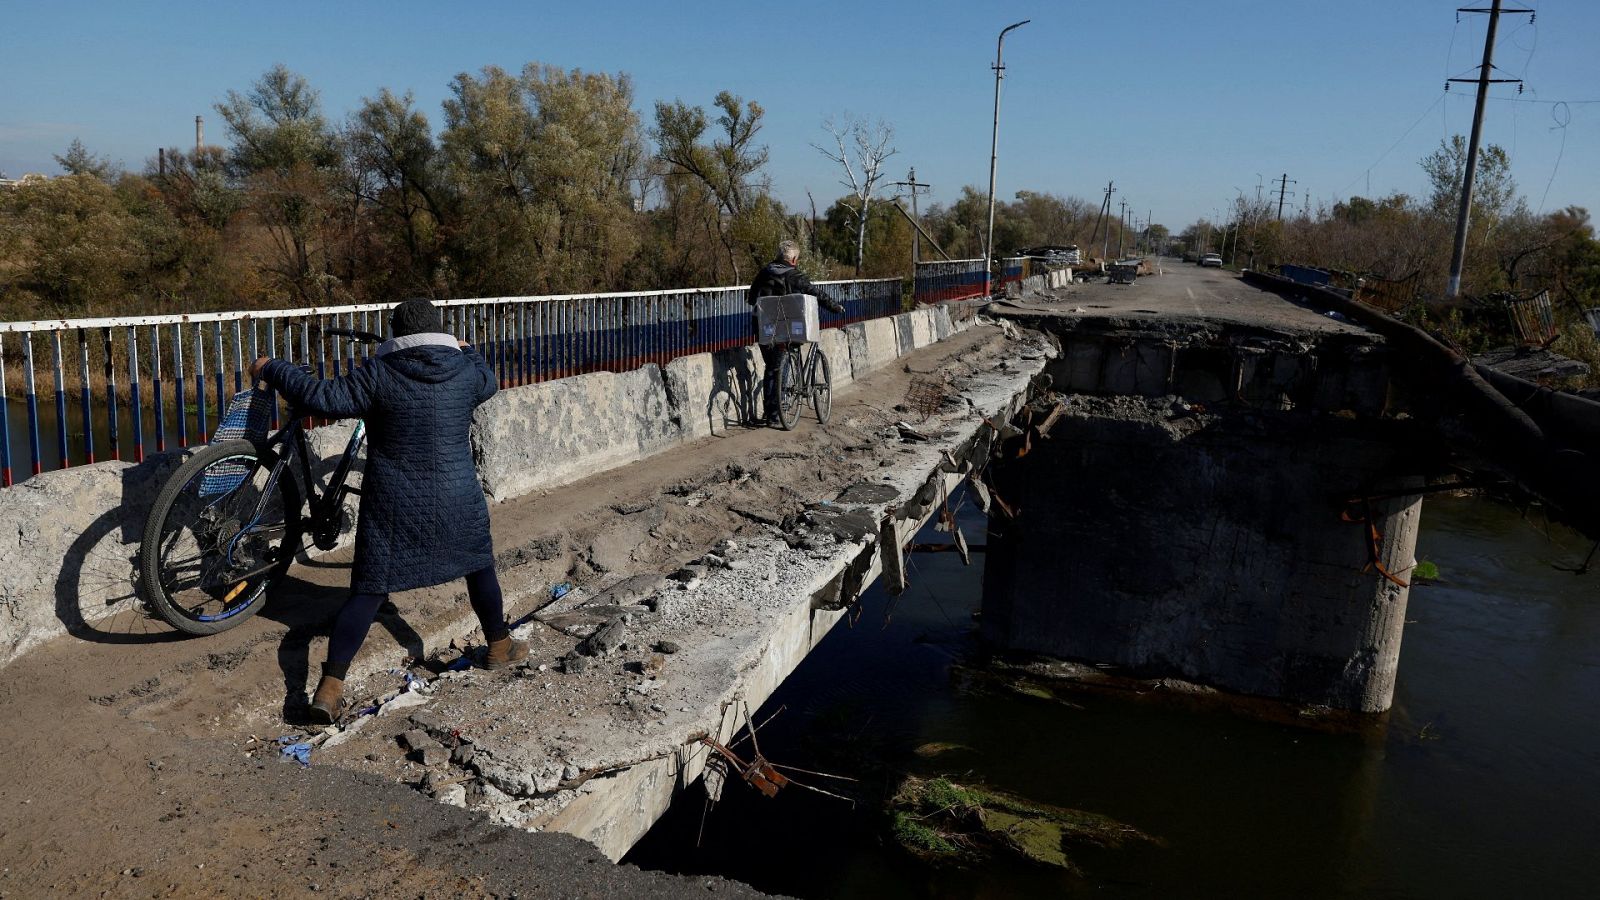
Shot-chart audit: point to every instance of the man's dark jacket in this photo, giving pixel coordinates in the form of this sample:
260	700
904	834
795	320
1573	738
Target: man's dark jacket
778	278
423	517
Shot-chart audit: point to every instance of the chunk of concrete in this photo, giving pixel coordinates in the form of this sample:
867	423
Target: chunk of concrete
608	640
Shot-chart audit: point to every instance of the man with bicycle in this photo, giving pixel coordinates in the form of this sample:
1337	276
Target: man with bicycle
777	278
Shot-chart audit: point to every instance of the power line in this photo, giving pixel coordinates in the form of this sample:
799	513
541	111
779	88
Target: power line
1533	100
1381	157
1561	124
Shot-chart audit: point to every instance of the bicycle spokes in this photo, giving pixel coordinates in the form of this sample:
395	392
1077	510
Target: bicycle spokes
221	535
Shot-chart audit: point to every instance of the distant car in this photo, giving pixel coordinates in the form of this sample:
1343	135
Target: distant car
1211	259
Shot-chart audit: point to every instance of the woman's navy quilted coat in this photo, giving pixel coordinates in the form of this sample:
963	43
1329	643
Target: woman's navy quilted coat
423	517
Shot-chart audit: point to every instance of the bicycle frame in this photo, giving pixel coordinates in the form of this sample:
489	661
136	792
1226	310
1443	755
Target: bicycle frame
290	442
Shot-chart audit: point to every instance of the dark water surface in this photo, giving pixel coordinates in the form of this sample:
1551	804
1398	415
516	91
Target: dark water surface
1484	781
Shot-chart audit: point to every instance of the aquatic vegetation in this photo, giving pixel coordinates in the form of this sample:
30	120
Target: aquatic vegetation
939	748
945	821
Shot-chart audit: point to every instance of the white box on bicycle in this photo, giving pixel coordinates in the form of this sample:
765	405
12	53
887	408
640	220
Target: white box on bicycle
787	318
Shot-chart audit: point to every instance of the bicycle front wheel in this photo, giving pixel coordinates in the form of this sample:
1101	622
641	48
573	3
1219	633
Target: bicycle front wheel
820	388
789	390
222	532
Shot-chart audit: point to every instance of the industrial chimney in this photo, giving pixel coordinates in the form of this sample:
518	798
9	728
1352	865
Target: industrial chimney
199	135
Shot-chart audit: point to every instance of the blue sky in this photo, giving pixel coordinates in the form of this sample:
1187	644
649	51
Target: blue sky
1179	102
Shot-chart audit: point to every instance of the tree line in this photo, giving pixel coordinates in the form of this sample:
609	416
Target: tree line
549	181
1512	250
543	181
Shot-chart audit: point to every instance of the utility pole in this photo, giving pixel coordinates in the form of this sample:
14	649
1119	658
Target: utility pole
1122	225
1458	252
1105	211
994	148
1283	191
916	233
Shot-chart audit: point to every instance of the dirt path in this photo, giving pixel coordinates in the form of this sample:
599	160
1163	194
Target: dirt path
131	766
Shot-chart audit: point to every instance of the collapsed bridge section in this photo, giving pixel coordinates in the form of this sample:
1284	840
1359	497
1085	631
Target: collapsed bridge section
1228	504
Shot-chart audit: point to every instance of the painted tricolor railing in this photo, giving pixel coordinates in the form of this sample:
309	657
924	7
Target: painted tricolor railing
179	371
1013	270
946	280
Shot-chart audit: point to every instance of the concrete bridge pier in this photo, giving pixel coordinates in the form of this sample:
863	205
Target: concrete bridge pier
1223	555
1219	507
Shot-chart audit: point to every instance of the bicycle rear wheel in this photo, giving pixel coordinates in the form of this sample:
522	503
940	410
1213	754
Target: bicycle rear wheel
820	388
208	558
789	391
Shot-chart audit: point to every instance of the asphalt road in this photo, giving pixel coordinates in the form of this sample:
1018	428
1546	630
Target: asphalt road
1181	292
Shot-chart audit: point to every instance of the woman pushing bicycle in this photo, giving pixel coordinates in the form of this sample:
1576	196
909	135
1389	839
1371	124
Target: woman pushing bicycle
423	518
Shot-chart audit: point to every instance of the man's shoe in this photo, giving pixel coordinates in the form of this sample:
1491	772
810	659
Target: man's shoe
505	652
327	702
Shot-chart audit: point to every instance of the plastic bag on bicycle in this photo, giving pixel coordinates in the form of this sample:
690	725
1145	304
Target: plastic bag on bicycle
248	415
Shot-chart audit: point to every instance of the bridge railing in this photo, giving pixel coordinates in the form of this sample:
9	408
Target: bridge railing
958	279
159	382
1013	269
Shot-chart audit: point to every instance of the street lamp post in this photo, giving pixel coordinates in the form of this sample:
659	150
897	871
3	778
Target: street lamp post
994	146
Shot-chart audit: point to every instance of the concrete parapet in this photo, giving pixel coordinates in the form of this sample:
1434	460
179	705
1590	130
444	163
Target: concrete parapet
921	322
74	544
873	344
904	334
708	393
549	434
836	345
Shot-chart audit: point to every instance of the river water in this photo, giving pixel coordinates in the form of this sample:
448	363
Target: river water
1484	780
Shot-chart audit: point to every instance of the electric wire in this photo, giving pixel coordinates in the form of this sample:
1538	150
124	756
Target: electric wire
1556	113
1368	170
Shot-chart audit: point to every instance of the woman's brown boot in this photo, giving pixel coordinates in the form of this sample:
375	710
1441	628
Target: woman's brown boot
327	701
503	651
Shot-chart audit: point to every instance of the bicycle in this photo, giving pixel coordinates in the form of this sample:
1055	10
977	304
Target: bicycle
228	523
803	374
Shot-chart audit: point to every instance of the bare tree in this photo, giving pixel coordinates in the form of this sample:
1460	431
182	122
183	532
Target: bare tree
862	159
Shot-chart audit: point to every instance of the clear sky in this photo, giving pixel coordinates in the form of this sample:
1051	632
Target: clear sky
1180	102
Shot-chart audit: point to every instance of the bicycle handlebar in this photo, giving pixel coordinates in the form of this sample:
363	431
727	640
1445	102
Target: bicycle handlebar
355	334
